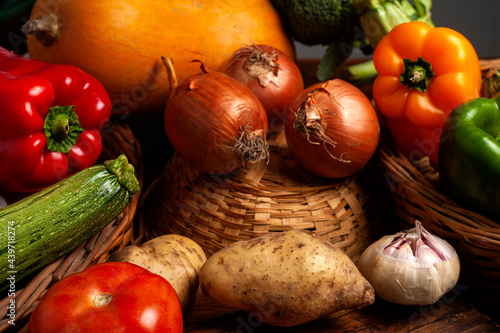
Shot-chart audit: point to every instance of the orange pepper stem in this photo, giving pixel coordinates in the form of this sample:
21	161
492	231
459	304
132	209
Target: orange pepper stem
417	75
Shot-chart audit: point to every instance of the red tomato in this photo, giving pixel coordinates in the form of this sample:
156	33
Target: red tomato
109	297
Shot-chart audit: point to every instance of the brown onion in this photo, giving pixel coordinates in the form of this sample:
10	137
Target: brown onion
332	129
215	123
271	75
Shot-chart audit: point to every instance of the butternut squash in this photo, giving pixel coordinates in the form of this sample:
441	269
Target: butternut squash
120	42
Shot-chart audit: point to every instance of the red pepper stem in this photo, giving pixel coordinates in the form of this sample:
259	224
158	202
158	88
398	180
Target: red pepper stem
61	128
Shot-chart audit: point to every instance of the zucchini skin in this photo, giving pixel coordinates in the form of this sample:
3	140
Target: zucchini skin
51	223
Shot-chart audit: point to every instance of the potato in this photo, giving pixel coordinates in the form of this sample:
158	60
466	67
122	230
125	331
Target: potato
176	258
287	278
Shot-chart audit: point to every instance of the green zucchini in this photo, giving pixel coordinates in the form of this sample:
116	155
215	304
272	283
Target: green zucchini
37	230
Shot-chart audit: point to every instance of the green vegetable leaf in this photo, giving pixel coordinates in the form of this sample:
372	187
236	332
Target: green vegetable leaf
334	56
423	7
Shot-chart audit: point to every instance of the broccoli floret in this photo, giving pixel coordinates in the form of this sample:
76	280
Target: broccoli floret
342	24
314	22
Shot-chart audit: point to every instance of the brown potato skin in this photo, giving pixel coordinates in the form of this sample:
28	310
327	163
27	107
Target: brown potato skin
288	278
176	258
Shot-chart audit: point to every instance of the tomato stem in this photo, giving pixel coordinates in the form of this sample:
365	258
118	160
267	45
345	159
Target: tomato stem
102	300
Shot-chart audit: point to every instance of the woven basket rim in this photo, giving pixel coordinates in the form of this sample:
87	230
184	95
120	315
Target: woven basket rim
268	198
468	224
117	138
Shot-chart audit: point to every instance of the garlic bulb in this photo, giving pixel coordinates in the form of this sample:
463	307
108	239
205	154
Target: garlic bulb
411	267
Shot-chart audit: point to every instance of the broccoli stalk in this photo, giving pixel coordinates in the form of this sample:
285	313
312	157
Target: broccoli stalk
377	18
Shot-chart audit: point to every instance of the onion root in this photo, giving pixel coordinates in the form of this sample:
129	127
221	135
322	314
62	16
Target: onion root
250	147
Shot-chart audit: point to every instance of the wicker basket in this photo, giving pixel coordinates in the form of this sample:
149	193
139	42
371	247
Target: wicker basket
416	196
216	211
117	139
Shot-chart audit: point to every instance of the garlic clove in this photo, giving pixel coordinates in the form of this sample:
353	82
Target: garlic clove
427	256
411	267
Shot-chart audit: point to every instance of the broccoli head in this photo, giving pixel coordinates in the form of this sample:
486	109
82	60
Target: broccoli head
314	22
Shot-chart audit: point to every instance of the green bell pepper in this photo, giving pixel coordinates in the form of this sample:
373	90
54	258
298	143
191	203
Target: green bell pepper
469	156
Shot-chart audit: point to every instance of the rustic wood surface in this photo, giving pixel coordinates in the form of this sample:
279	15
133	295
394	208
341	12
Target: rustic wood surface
451	314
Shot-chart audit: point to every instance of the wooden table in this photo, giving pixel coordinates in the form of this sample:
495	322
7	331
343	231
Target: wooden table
451	314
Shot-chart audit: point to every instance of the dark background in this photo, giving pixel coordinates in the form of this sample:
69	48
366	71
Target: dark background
478	20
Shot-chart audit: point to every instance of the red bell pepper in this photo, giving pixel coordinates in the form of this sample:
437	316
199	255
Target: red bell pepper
51	117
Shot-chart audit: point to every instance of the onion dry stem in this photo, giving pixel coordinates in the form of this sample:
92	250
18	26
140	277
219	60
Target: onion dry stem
260	63
310	123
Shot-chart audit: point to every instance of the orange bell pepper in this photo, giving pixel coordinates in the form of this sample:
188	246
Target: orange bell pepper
424	73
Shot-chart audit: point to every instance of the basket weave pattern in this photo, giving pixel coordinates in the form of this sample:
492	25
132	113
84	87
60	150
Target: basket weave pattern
216	211
117	139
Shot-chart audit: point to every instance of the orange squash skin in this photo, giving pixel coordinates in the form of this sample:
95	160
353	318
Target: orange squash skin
120	43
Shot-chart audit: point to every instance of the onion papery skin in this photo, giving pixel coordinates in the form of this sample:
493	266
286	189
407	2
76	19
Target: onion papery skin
349	122
272	76
205	116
